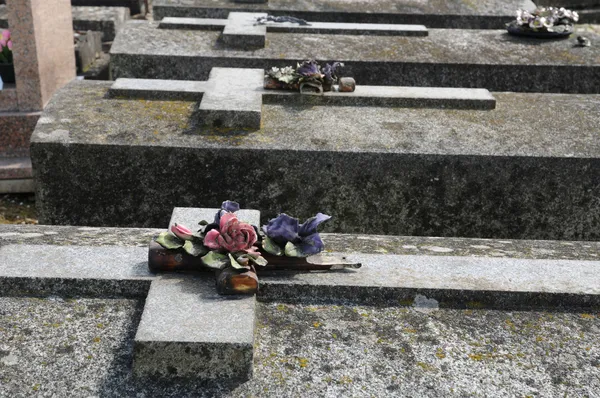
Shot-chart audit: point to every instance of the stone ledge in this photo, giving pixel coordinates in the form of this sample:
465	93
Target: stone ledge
346	243
454	282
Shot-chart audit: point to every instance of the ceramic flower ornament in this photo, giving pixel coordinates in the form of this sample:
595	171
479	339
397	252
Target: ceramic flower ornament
286	236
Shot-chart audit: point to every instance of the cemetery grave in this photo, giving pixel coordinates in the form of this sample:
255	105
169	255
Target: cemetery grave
460	167
406	322
483	14
471	58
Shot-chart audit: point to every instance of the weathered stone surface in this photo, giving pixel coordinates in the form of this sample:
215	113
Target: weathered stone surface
500	173
233	97
365	244
490	59
188	330
450	281
74	271
482	14
324	350
65	347
241	30
17	128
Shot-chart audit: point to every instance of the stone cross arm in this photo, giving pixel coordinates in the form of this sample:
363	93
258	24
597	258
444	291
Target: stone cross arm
233	98
240	29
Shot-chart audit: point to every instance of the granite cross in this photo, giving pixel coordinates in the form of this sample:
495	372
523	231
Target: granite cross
188	330
233	98
241	29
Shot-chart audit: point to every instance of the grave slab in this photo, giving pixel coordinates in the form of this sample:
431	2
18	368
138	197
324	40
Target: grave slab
241	30
436	172
490	59
233	97
484	14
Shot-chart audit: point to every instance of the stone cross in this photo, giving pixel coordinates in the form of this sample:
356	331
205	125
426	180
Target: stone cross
241	30
234	97
188	330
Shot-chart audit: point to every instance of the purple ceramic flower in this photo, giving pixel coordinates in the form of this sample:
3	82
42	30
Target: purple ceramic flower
330	71
284	229
228	206
308	69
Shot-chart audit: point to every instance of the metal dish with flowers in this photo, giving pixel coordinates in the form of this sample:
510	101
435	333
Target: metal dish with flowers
544	23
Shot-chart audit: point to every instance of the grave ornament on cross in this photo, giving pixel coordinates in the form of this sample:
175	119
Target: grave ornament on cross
237	251
233	97
248	31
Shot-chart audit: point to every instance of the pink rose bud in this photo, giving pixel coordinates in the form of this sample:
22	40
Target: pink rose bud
182	231
2	43
6	35
9	44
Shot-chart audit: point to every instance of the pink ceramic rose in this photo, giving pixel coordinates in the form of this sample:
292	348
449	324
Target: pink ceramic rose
182	232
233	235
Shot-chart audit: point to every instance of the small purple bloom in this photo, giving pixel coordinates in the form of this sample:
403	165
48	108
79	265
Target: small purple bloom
308	68
228	206
310	226
330	71
284	229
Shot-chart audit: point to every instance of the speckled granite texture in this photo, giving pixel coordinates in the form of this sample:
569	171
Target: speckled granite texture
465	14
17	128
489	59
367	244
301	350
426	172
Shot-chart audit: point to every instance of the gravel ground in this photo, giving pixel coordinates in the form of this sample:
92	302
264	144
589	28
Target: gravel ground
17	209
83	348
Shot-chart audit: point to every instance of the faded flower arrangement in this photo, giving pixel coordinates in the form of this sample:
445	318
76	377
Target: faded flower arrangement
309	78
544	22
236	249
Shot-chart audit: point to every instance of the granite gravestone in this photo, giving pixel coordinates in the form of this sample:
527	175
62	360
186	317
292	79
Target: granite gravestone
483	14
432	171
242	30
44	60
472	58
187	331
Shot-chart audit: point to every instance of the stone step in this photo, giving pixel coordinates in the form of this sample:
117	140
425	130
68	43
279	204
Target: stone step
432	172
444	58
